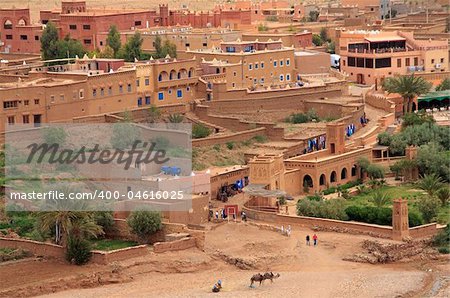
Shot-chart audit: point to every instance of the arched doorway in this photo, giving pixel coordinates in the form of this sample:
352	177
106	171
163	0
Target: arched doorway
333	177
354	170
322	179
344	174
307	181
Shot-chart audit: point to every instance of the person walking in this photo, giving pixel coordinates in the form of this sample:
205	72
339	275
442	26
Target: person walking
307	240
315	239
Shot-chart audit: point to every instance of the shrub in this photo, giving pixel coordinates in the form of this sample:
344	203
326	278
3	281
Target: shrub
444	250
260	138
200	131
78	251
316	197
384	139
375	171
429	207
144	223
329	190
369	214
332	209
414	218
105	219
443	237
230	145
297	118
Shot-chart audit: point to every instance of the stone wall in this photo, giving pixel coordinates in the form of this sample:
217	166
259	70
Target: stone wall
233	137
423	231
35	247
107	257
181	244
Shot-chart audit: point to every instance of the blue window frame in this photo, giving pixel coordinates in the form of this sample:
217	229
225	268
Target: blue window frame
179	93
160	95
288	77
147	100
262	64
275	63
281	62
139	101
288	62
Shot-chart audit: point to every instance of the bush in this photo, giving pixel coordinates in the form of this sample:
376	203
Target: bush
443	237
384	139
444	250
429	207
315	197
369	214
105	219
332	209
260	138
144	223
230	145
200	131
78	251
351	184
375	171
329	190
415	218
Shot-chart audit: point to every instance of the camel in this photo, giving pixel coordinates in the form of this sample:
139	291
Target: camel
262	277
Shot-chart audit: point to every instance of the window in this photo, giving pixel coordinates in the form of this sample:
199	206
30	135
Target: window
86	27
261	80
87	41
129	87
81	94
52	99
109	90
94	92
179	93
230	49
121	88
170	91
250	66
102	91
275	63
26	119
288	62
147	81
233	85
256	65
281	63
205	44
23	37
137	83
288	77
9	36
160	78
281	78
351	61
262	64
432	61
36	101
10	104
369	63
139	101
160	95
359	62
407	62
147	100
234	73
187	45
383	63
11	120
137	23
442	60
61	97
36	37
73	27
101	42
399	62
188	88
255	80
26	102
8	25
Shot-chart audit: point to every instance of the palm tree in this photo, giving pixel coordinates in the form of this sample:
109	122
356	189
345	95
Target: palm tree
444	85
443	194
430	183
379	199
408	87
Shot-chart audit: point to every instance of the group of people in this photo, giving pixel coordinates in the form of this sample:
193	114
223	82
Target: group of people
315	239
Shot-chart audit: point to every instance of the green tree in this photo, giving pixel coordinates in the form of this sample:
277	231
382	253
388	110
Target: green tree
169	48
408	87
316	40
144	223
107	52
132	49
78	251
444	85
262	27
430	183
411	119
375	171
429	207
384	139
200	131
324	34
158	46
331	47
432	159
313	15
69	48
49	42
113	40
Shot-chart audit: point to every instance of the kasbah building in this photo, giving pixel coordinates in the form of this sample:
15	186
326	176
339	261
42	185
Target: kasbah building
223	64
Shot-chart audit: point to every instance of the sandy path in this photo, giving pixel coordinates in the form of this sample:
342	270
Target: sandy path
306	271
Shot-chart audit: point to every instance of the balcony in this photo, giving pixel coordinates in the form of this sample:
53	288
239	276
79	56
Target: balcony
378	51
176	82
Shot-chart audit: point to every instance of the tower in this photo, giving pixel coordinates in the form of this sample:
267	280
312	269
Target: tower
336	137
400	223
164	15
412	173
